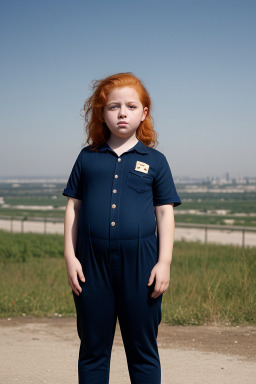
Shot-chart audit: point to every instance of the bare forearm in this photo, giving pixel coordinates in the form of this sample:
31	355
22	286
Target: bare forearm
74	267
166	229
70	230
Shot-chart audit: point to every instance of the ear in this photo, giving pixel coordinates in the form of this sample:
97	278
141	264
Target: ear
144	114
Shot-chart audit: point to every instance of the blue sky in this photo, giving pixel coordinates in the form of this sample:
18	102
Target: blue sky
196	58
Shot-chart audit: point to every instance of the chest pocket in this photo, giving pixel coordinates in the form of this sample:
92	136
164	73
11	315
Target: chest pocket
140	183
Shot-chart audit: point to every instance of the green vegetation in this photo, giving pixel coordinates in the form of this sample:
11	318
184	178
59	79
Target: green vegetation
23	213
209	283
239	205
244	221
233	205
33	275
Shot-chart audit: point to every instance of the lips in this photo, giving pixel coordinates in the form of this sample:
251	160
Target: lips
122	123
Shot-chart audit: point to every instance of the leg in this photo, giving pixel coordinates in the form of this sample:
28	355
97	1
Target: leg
96	318
139	332
139	314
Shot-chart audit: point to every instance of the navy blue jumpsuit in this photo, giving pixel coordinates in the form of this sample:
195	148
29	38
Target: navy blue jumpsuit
117	246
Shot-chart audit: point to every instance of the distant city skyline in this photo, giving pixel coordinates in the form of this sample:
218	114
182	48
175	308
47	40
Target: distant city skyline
196	58
211	179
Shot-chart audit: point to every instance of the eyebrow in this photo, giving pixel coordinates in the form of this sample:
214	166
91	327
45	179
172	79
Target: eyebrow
117	102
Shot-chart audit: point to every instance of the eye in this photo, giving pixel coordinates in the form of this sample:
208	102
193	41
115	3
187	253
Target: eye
114	106
132	106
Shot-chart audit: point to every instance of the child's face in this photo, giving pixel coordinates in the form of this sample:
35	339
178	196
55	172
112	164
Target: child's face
123	104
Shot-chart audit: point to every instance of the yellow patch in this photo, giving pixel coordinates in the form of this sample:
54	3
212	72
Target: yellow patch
141	167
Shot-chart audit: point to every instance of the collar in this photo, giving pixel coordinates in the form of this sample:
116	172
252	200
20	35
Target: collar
139	147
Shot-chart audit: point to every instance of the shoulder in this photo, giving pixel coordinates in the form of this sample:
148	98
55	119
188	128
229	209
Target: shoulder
156	156
155	152
85	151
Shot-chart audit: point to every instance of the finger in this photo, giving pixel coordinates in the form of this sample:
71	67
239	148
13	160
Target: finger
75	284
157	286
155	294
81	275
158	289
73	288
151	278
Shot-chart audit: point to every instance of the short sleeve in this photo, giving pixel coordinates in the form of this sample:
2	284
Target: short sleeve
74	184
164	190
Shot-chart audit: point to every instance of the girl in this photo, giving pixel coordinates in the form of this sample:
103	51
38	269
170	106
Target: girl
120	193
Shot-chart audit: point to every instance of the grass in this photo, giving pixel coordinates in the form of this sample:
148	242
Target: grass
24	213
244	221
209	283
238	205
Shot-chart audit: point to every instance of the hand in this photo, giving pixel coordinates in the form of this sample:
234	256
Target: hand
74	268
161	272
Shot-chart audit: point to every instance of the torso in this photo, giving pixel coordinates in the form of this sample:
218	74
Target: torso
134	197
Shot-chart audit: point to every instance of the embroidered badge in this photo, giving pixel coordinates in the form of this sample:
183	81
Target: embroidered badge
141	167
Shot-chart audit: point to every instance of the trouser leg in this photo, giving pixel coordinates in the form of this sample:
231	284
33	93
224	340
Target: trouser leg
96	317
140	341
139	314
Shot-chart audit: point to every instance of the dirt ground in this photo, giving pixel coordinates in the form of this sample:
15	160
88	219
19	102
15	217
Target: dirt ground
45	350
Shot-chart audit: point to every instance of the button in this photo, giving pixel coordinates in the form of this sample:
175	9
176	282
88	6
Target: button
119	159
113	223
113	206
114	191
116	176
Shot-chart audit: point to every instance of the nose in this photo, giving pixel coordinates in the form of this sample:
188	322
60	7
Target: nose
122	112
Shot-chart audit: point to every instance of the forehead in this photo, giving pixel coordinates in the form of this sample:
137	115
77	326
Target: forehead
123	93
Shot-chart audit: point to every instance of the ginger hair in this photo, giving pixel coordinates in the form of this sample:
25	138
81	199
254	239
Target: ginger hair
96	129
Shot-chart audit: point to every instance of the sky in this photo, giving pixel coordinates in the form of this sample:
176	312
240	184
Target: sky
197	60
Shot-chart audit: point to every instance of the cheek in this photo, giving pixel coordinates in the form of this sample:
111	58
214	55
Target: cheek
137	115
110	119
107	116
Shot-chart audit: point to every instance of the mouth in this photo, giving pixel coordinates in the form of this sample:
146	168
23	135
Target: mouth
122	123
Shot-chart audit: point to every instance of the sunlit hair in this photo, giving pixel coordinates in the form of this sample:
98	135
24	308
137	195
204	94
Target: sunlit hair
96	129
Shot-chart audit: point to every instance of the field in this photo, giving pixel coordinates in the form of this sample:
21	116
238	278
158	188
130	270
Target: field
231	204
209	283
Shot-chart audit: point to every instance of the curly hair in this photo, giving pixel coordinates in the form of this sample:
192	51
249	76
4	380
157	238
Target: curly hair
96	129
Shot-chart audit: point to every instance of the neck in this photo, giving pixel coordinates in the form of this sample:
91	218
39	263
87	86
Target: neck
117	142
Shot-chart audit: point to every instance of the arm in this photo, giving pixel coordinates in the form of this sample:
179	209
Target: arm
165	227
73	265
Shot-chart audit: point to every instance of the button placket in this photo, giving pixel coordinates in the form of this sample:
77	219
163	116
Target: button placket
115	200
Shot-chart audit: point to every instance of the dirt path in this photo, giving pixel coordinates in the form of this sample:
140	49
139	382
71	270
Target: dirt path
45	350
